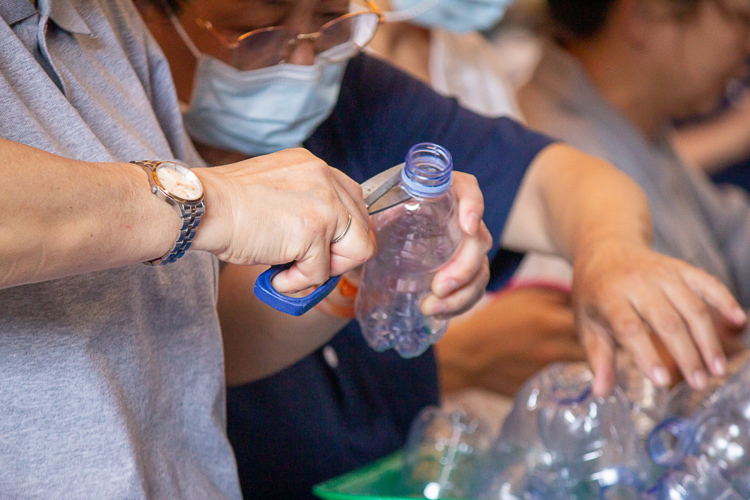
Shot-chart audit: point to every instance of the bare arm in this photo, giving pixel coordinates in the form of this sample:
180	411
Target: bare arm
259	340
584	209
65	217
568	200
507	340
711	146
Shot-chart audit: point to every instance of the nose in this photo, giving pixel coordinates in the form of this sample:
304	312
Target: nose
303	53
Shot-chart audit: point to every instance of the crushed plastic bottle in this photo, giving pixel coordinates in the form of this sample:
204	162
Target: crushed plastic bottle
562	442
414	240
444	452
695	479
648	403
717	431
684	401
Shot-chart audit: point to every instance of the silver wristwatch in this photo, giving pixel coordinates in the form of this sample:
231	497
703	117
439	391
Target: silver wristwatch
176	184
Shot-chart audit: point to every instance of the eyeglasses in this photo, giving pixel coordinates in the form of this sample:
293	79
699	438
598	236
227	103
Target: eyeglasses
336	41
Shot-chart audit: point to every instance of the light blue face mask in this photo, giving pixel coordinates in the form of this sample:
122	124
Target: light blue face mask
259	111
461	16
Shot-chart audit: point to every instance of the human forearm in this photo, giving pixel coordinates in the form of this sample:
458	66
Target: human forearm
259	340
716	144
505	341
623	292
64	216
570	201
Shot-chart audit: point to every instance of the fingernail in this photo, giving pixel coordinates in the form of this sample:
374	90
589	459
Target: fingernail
435	309
700	379
660	376
446	287
720	365
472	226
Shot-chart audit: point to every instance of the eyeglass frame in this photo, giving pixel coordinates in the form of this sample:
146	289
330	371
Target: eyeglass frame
313	36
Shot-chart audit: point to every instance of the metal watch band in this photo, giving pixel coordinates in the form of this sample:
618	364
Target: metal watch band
190	214
191	218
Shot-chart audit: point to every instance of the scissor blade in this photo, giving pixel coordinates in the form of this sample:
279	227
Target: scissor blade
375	187
395	196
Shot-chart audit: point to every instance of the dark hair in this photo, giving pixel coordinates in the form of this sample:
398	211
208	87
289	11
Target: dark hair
585	18
581	18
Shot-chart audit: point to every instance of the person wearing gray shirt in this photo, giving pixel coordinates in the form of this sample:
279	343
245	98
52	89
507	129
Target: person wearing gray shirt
112	380
613	94
113	371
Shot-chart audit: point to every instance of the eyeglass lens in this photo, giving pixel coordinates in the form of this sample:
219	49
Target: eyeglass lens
339	40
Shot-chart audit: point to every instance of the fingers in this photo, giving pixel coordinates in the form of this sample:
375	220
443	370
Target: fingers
350	194
461	282
601	354
681	342
697	316
461	299
342	219
626	326
324	259
470	202
353	250
311	271
715	294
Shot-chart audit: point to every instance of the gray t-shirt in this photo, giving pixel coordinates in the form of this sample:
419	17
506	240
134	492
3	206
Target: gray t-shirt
694	220
112	382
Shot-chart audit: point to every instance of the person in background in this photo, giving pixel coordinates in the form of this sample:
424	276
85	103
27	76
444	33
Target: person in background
440	43
513	334
113	371
718	141
348	405
113	380
613	79
719	144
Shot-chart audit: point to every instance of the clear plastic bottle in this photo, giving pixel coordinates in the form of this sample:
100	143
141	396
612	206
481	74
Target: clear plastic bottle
695	479
443	454
560	442
718	431
414	240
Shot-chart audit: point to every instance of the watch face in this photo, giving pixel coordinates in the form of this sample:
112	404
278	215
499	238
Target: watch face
179	181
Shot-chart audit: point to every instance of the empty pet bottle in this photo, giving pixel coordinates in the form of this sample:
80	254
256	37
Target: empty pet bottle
717	431
414	240
695	479
444	452
561	441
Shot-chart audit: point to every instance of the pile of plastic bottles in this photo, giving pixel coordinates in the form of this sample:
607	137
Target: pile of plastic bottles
560	442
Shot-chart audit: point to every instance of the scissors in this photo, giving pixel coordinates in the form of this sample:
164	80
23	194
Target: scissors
381	193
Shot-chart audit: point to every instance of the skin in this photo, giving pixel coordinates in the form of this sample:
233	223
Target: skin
569	204
75	230
405	45
660	66
716	144
521	331
653	66
275	341
516	334
537	325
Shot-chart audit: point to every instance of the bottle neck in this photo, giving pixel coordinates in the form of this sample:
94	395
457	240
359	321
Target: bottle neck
428	171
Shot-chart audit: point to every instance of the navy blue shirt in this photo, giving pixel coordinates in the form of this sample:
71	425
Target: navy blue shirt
347	405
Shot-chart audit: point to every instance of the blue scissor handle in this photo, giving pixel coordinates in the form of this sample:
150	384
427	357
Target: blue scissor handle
296	306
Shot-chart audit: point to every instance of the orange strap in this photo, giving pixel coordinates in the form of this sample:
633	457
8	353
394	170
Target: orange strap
340	303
